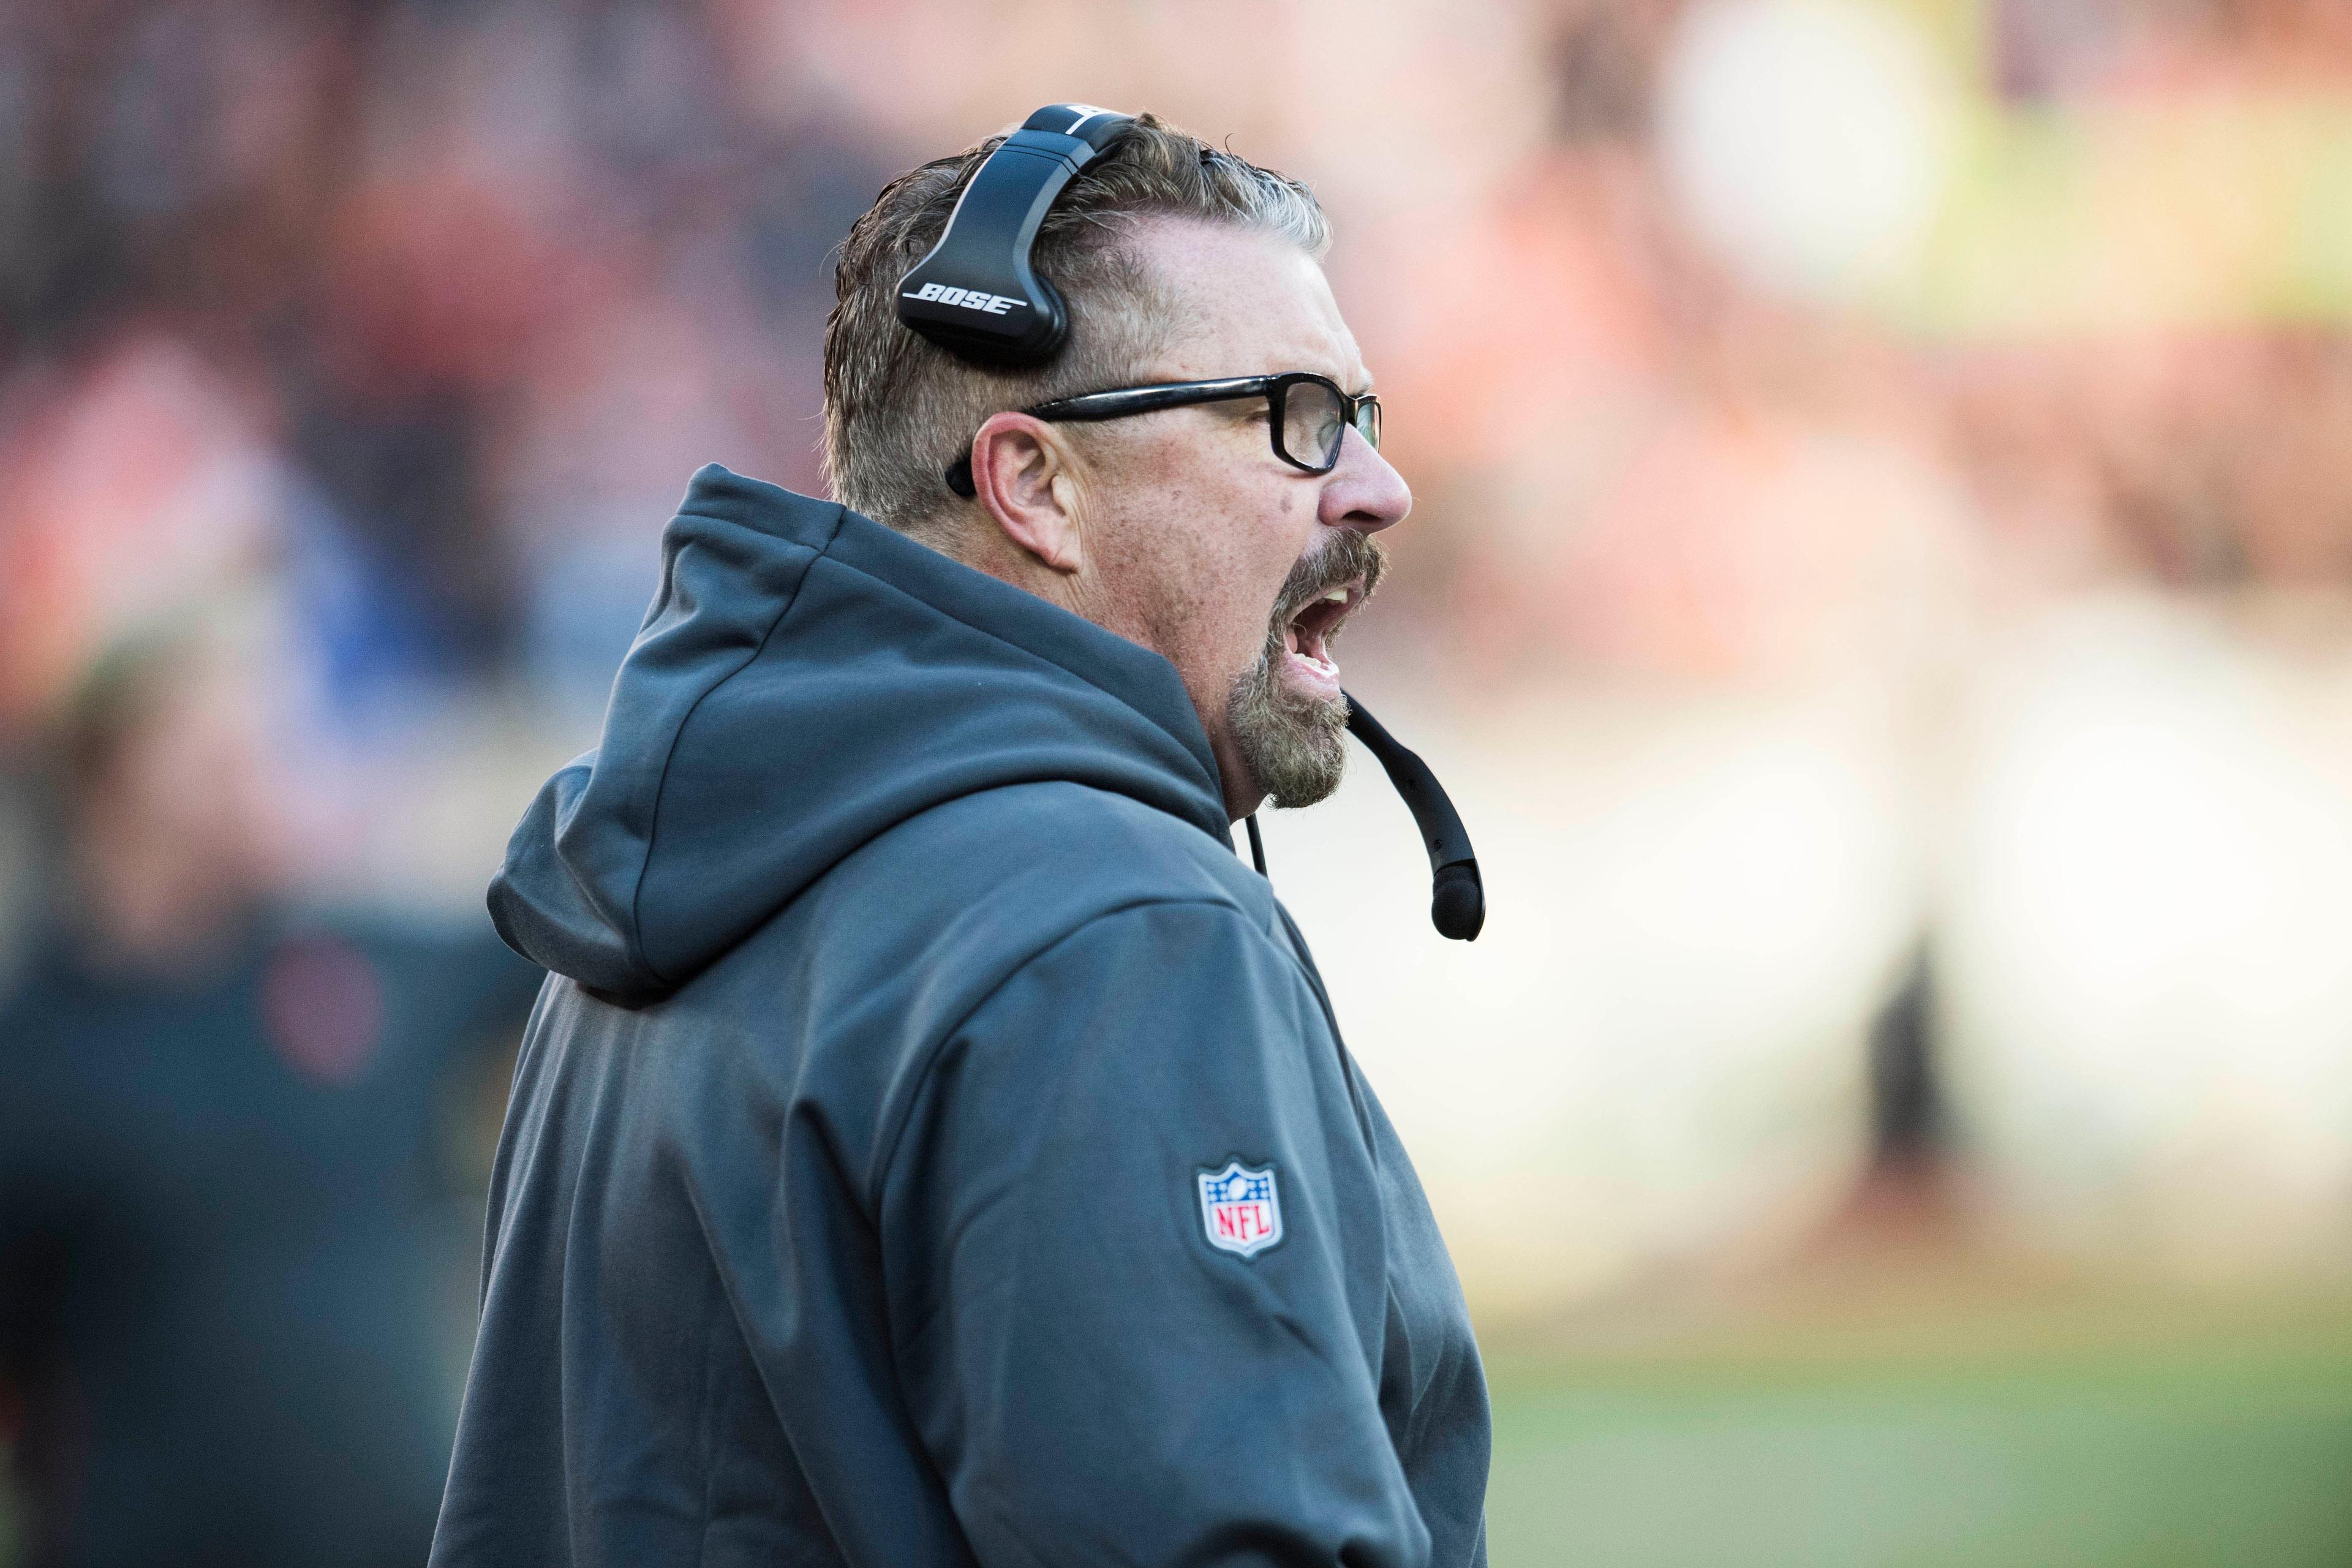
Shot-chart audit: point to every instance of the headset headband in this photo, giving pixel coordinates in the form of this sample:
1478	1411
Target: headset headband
975	295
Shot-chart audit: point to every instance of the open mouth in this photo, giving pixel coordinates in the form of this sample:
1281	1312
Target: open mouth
1311	631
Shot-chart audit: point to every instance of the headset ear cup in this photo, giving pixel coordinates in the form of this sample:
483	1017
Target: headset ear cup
976	294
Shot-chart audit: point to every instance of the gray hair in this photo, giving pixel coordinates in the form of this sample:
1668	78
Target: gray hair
898	409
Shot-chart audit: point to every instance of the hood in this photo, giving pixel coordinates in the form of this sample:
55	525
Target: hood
805	679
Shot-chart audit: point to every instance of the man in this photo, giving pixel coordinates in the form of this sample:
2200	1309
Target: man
235	1205
934	1145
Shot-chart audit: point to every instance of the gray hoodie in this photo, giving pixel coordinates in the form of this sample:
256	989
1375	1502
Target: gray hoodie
933	1145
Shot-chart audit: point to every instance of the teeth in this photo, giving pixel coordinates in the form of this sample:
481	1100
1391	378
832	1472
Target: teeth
1338	593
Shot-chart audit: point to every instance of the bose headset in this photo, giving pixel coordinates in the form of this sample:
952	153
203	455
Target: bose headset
976	296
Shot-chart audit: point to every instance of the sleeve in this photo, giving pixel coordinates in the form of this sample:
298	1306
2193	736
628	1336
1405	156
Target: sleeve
1106	1365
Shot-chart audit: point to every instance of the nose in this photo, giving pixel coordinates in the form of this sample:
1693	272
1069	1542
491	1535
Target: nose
1363	490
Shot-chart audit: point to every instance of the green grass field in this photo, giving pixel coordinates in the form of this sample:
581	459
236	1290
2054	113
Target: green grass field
2065	1427
1879	1418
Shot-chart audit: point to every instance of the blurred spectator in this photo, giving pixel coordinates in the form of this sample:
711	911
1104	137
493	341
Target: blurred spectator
239	1156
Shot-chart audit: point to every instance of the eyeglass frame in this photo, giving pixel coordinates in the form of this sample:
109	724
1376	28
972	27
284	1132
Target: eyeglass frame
1121	403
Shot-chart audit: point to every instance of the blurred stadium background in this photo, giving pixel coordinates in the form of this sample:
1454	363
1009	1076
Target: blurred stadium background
1880	591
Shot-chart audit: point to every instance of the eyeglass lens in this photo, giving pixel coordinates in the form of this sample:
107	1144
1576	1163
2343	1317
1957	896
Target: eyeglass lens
1312	424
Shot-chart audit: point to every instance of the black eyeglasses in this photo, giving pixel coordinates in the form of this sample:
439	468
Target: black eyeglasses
1307	415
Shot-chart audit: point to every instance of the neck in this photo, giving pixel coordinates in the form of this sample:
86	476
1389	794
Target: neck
1243	798
1007	563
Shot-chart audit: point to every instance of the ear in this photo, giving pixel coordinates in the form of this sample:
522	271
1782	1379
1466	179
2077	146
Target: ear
1024	476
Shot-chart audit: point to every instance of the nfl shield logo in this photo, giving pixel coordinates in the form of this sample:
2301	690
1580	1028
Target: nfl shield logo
1240	1209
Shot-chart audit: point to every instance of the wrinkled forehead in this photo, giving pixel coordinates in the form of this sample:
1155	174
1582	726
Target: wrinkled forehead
1248	303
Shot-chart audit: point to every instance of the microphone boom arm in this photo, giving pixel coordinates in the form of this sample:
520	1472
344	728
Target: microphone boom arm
1457	898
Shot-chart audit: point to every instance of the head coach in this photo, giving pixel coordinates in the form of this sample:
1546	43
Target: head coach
934	1145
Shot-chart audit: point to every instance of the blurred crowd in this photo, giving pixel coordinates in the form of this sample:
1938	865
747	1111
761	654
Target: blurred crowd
1880	573
415	311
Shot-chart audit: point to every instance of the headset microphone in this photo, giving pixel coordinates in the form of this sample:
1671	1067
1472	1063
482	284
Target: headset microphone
1457	894
976	295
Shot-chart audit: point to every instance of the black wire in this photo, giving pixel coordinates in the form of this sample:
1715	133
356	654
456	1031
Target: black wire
1258	845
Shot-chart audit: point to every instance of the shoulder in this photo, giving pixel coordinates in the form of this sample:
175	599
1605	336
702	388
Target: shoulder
1177	1022
928	921
1034	862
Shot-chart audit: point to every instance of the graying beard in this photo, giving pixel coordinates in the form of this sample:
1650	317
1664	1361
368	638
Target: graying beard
1294	744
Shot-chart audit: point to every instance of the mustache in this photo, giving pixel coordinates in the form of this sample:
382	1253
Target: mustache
1348	555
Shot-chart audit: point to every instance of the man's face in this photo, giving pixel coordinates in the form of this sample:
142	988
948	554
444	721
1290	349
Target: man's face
1213	551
